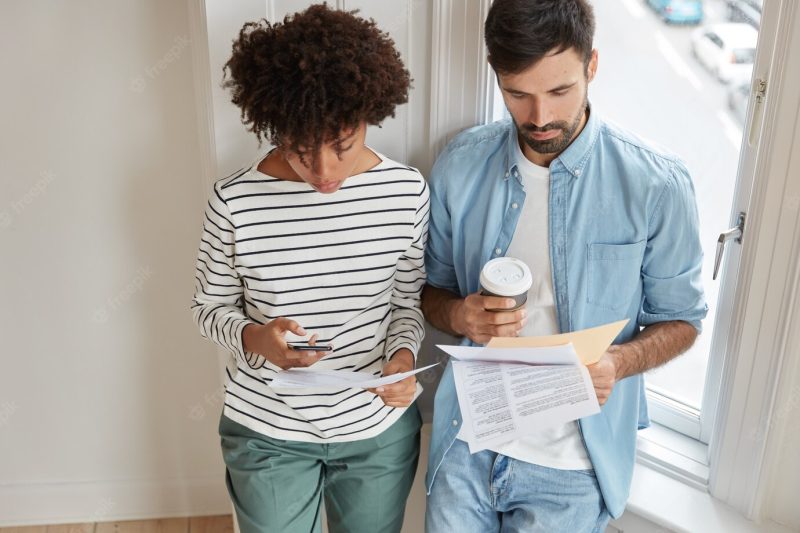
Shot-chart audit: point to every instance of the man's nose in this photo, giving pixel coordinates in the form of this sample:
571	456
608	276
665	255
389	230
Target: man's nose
539	114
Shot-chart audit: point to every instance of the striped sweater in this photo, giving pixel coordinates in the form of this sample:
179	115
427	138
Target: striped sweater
348	266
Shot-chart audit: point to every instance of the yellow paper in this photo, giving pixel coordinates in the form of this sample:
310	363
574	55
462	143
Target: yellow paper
590	344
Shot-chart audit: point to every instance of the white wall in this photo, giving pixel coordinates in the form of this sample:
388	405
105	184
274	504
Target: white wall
99	224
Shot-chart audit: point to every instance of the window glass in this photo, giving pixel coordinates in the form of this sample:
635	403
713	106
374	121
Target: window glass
657	81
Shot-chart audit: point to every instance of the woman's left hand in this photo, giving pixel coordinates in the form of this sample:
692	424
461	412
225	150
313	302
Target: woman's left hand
399	394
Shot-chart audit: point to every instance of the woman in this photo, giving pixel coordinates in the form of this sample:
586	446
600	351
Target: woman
320	241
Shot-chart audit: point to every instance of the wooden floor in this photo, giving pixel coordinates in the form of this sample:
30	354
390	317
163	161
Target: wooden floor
198	524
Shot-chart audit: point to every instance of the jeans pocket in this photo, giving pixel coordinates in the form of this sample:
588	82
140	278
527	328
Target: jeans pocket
614	273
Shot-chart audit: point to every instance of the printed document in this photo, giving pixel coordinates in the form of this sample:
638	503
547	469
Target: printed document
512	387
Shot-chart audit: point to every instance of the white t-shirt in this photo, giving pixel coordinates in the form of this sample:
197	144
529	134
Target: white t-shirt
560	446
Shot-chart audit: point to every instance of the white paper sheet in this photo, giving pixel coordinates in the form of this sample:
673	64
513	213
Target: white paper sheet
296	378
503	399
549	355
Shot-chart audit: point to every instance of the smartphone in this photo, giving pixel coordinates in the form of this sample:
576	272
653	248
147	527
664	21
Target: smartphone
304	347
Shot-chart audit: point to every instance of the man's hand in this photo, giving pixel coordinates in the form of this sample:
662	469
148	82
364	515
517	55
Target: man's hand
399	394
471	319
268	340
604	373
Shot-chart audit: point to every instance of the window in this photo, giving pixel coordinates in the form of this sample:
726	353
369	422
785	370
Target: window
679	101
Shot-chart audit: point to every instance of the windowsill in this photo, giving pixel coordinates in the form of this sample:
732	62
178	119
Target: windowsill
669	488
676	506
674	454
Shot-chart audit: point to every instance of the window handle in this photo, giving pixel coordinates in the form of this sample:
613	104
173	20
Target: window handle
733	233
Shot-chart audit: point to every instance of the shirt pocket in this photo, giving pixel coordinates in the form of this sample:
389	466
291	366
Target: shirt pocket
614	273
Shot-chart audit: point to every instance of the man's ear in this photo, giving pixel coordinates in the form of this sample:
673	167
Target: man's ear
591	68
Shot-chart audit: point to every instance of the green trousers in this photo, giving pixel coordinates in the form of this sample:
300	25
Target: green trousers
278	485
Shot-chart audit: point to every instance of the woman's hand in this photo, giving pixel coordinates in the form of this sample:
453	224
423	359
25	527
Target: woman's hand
399	394
269	340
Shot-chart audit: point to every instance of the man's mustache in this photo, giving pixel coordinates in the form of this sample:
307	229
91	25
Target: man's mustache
532	128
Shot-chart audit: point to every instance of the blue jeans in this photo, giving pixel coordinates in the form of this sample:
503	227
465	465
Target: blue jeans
488	492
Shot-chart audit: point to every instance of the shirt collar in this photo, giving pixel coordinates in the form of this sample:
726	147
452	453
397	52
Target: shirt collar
573	158
511	159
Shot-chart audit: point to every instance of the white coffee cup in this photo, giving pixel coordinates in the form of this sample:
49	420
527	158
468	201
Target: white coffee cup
507	277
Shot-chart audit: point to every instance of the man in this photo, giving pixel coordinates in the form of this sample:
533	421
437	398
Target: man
608	226
322	238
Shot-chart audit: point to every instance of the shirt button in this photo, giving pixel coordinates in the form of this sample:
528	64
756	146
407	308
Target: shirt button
506	174
514	205
455	422
498	251
577	172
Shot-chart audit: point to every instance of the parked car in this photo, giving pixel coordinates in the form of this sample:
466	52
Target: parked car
738	98
748	11
679	11
727	50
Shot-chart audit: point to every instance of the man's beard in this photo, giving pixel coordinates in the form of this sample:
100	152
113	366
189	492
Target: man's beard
556	144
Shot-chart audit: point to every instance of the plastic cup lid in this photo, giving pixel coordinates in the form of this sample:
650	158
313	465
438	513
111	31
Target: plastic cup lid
506	276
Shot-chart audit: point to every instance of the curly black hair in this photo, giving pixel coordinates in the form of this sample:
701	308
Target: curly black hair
319	73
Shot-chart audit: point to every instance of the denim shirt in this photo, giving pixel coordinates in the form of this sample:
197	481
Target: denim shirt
623	244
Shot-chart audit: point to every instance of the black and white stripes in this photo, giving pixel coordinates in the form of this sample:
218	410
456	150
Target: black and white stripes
348	266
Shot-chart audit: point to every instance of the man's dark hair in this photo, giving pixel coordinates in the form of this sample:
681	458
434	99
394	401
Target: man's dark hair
302	82
521	32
